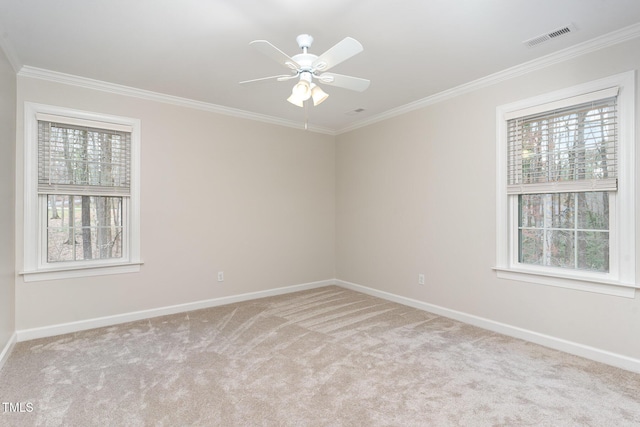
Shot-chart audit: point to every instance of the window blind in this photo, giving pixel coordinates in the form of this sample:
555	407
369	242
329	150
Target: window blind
76	159
567	149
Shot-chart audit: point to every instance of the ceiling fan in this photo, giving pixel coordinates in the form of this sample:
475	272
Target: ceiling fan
307	67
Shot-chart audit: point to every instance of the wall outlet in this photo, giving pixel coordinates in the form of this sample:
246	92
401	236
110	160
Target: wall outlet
220	276
420	279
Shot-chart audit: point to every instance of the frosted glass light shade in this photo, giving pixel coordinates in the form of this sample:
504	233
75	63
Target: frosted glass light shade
317	94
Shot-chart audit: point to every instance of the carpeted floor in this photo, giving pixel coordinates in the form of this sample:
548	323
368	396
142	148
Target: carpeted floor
323	357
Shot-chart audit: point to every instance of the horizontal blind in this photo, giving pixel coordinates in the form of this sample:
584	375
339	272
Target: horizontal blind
570	149
75	159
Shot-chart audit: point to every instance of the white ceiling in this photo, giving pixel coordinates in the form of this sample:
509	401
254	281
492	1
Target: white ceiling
199	49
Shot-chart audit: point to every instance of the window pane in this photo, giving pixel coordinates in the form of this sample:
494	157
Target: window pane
531	211
562	209
531	246
560	249
593	210
593	250
557	208
566	230
83	227
59	247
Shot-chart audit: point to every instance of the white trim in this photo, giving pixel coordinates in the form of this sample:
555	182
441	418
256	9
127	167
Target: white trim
577	349
620	36
583	98
80	271
83	82
588	352
621	277
585	284
82	325
6	351
75	121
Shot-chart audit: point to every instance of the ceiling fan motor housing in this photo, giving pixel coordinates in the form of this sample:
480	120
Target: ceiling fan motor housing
305	60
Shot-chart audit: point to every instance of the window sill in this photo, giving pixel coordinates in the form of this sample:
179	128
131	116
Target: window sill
595	285
81	271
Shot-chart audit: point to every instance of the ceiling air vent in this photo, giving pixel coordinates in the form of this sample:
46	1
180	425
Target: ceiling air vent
558	32
354	112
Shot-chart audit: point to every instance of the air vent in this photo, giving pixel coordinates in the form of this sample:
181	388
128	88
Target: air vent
558	32
354	112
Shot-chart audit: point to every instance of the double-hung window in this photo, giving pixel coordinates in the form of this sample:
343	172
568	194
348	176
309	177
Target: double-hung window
81	190
566	198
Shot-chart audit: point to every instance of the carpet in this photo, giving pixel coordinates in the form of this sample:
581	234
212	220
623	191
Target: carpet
322	357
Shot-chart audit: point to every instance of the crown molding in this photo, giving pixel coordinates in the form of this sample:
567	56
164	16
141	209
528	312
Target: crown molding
628	33
113	88
620	36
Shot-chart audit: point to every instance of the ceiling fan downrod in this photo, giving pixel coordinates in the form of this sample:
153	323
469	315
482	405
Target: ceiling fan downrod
304	41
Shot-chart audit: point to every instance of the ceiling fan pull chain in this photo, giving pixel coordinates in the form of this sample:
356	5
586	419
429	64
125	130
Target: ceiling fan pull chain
306	116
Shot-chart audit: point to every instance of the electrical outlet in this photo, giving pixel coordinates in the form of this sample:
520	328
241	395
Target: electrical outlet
420	279
220	276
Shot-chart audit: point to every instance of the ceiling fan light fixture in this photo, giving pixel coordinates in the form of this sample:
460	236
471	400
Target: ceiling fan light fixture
295	100
317	94
302	90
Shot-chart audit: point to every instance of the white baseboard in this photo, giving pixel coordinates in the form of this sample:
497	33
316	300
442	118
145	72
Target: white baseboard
6	351
66	328
592	353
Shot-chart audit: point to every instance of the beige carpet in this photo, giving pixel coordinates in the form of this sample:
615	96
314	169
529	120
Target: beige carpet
324	357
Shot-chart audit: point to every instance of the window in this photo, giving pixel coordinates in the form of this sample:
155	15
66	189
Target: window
565	188
81	190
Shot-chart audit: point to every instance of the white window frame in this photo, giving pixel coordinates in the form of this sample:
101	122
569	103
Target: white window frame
620	280
36	267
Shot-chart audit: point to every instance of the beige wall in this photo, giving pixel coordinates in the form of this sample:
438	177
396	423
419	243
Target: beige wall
416	194
217	193
7	195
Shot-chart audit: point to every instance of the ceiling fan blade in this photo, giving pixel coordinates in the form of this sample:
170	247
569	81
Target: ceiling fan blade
274	53
279	78
342	51
347	82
